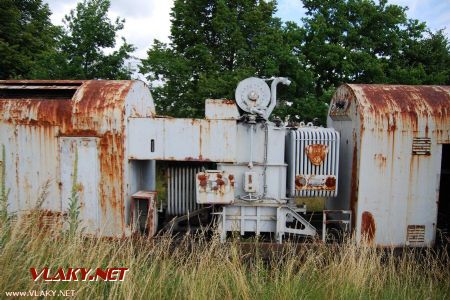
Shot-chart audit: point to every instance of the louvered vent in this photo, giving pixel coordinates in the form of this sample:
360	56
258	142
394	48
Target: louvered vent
421	146
313	162
416	234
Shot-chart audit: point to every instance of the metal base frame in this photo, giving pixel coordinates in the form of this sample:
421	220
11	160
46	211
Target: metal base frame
250	218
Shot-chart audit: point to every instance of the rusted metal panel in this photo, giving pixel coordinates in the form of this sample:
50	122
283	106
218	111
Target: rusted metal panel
407	107
221	109
214	187
97	109
182	139
144	213
80	154
378	125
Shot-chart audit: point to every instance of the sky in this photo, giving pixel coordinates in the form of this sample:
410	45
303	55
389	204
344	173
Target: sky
147	20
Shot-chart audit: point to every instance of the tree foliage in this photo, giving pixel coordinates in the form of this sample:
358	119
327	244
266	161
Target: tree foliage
368	42
31	47
214	45
88	31
26	38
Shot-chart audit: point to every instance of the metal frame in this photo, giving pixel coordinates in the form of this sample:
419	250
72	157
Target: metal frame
244	218
347	223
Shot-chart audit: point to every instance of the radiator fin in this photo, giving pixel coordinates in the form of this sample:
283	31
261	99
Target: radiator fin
181	197
314	174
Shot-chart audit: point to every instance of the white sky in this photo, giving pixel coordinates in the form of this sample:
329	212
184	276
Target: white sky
147	20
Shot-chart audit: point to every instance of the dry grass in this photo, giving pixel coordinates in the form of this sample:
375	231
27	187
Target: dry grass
196	267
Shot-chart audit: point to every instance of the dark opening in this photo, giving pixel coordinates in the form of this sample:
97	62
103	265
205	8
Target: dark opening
152	145
141	206
443	220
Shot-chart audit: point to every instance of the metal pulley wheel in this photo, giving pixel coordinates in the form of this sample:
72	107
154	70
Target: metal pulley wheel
252	93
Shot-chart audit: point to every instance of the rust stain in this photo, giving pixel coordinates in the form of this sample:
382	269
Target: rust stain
94	108
330	182
42	82
380	160
220	182
228	102
300	182
316	153
189	158
231	178
203	180
47	219
367	226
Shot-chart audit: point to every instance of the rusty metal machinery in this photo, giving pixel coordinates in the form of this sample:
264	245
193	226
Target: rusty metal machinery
255	201
235	166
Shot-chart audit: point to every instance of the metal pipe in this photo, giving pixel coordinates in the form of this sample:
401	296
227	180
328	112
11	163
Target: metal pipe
266	145
250	163
273	94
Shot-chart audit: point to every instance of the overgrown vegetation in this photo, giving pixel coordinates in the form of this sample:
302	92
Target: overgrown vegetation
31	47
4	191
215	44
74	204
203	268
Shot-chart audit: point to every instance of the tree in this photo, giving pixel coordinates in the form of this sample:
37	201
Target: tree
360	41
424	59
27	37
214	45
87	33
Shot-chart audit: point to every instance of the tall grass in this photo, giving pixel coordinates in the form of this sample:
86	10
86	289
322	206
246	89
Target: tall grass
200	267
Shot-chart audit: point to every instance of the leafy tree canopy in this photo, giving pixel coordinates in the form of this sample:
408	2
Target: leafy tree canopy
214	45
88	31
368	42
26	37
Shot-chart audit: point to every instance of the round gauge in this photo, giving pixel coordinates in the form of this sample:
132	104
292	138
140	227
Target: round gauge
252	93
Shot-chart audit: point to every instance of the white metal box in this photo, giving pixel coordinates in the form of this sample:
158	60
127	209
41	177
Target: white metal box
215	187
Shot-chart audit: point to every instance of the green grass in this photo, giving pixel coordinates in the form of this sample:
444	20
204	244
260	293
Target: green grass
196	267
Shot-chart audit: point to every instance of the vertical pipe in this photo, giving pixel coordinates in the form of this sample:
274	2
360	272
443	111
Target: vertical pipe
266	142
250	164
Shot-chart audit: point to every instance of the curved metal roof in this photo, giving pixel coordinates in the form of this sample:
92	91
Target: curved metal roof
418	108
432	100
96	105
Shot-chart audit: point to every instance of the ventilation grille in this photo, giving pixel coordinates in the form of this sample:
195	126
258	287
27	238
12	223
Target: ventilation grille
181	195
307	178
421	146
416	234
38	89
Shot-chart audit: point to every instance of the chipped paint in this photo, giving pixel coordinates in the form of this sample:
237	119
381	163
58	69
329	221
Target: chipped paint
378	125
35	115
